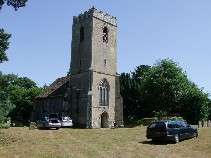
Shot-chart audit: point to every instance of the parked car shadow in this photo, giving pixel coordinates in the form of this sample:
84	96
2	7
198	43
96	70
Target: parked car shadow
48	129
160	142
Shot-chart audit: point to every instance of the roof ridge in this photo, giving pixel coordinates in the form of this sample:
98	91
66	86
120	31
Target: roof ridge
54	86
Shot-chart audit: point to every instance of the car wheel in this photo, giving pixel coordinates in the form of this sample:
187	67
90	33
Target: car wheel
195	135
57	128
176	138
44	127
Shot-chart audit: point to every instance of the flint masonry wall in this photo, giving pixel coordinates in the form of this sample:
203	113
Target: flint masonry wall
93	61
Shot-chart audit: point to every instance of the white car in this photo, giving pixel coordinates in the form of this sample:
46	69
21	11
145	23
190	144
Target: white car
47	123
66	121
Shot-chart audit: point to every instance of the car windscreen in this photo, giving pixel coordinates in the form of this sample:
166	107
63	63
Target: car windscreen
53	116
66	118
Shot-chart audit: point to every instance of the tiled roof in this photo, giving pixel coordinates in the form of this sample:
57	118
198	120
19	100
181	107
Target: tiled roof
57	88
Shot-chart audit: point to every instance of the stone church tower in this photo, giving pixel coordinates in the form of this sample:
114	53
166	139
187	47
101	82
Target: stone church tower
94	96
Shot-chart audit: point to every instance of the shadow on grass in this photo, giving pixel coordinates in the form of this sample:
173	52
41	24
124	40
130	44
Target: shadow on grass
44	129
160	142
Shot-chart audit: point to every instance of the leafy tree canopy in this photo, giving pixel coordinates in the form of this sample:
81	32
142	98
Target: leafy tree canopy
164	88
14	3
5	103
163	85
4	37
130	84
4	45
19	92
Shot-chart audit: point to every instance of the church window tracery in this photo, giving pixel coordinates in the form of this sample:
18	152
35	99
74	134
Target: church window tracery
103	92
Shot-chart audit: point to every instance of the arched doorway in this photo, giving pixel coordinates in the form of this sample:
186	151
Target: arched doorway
104	120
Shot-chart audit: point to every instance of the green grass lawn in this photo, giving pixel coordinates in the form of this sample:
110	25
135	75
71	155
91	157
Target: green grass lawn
20	142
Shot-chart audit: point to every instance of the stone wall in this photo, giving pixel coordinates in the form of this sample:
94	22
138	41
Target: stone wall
204	124
42	107
94	60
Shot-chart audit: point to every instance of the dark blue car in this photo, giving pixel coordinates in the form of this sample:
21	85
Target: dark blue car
170	130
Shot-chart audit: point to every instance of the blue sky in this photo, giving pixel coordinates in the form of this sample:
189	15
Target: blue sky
148	30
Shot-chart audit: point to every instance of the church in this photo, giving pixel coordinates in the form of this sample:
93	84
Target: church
90	95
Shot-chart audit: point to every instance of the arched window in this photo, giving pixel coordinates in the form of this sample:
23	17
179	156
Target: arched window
103	93
81	34
105	35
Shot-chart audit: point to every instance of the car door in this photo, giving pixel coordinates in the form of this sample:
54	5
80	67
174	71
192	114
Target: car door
190	131
173	128
40	123
183	130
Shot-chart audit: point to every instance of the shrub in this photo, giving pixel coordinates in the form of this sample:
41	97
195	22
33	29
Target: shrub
5	125
172	118
146	121
176	118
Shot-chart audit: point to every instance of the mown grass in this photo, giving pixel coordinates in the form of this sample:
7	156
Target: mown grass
20	142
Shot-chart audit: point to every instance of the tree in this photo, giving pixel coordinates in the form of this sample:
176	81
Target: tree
130	90
194	104
5	103
18	91
125	89
23	99
209	104
137	75
4	37
14	3
5	107
22	95
4	45
165	87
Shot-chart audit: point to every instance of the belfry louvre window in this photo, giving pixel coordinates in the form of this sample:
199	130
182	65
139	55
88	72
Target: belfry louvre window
103	93
105	35
105	62
81	34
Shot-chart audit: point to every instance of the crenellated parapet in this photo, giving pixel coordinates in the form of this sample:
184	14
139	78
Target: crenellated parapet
93	12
